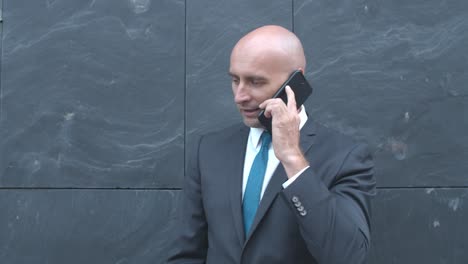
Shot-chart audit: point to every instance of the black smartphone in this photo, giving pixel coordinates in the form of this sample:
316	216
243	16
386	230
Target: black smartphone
301	88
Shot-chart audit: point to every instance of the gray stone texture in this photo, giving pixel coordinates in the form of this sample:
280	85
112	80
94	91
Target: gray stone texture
420	226
92	93
393	73
86	226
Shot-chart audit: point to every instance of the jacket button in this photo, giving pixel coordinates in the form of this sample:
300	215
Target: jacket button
301	208
297	204
303	213
295	199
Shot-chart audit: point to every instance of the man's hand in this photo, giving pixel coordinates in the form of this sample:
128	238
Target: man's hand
285	132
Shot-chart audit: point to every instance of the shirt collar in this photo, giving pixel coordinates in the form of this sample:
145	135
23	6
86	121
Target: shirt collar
256	133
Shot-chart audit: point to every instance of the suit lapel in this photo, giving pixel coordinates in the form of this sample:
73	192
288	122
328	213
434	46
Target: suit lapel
237	148
279	177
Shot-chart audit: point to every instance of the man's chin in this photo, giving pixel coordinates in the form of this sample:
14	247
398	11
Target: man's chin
252	122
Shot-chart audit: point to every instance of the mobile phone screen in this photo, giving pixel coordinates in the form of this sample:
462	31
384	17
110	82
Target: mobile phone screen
301	88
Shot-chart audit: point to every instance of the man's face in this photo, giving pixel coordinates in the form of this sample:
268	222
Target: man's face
256	76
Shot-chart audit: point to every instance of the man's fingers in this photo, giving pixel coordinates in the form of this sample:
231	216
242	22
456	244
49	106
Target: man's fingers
269	106
291	99
272	101
266	103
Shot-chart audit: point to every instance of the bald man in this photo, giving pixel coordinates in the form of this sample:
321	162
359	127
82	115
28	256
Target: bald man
298	195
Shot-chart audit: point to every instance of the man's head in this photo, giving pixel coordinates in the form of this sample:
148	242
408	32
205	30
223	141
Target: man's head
261	62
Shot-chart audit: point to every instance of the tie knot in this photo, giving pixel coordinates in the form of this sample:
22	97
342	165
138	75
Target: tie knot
266	140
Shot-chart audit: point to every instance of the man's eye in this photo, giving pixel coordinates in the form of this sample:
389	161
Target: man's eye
257	83
235	81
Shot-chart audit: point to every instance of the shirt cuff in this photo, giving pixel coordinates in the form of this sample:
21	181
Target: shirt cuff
293	178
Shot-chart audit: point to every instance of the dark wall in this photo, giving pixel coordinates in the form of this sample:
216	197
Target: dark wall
99	98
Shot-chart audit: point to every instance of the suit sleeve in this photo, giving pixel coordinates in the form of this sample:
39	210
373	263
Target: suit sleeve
335	220
191	243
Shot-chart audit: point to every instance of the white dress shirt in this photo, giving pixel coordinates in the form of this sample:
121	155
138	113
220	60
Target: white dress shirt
253	147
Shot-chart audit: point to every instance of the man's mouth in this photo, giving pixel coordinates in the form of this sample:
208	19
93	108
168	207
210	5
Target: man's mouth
250	112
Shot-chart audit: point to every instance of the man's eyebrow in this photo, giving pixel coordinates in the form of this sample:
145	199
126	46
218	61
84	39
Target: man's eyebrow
256	77
249	77
232	75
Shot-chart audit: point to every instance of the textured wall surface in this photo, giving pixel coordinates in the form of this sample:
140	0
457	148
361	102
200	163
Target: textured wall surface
92	93
100	100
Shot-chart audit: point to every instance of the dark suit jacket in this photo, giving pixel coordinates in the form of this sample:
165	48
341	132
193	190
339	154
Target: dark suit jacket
322	217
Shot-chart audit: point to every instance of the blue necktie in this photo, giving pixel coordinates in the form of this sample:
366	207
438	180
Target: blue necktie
255	183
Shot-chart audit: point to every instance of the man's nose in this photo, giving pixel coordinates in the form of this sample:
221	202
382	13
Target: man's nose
241	94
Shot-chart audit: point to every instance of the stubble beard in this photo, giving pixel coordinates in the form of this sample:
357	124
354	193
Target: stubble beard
252	122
